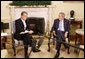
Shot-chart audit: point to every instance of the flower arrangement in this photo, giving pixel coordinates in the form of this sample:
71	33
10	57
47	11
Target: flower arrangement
30	3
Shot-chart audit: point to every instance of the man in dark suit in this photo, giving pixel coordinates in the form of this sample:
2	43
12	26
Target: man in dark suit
22	26
61	29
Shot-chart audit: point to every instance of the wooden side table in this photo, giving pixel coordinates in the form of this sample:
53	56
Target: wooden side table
80	35
3	40
75	24
79	38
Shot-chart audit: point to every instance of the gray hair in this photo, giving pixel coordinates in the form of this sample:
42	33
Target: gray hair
62	13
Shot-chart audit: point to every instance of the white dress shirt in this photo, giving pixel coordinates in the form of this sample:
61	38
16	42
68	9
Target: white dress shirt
24	24
61	25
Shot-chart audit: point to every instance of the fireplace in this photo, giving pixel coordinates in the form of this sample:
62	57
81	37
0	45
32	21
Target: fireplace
40	16
37	24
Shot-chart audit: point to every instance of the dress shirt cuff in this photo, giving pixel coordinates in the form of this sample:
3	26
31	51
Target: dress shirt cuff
66	32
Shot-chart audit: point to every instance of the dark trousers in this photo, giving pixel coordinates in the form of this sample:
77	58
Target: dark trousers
60	37
28	40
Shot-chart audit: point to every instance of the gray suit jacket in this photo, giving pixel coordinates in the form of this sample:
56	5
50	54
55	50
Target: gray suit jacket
56	25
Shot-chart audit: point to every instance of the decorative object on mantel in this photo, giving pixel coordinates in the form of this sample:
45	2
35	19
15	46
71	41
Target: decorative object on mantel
72	15
30	3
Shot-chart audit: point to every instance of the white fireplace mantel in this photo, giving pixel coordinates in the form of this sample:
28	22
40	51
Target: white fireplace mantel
34	11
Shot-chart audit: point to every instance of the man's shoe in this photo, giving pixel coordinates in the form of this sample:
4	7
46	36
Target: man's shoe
26	56
48	50
36	50
57	55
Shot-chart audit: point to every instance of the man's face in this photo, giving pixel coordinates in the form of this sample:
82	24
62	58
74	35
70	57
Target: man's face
24	16
61	17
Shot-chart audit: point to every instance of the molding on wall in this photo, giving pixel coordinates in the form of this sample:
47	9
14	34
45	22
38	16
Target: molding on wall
33	6
73	1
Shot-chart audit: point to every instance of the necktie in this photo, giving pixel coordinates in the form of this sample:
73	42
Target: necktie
60	25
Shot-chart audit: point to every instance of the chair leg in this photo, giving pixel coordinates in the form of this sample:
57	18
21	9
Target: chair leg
14	49
68	46
13	45
48	44
68	51
48	47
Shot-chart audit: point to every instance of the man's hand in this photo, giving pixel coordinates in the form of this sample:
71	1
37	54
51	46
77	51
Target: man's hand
65	35
54	33
22	33
30	32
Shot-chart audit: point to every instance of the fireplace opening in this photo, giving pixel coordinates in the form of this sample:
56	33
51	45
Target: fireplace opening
37	25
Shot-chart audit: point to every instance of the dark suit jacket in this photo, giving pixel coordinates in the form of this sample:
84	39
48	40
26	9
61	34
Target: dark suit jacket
20	28
56	25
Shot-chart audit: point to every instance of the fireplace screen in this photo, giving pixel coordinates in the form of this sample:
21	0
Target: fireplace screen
37	25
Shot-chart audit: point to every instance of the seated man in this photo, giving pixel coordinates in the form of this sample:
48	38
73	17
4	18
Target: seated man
61	29
22	26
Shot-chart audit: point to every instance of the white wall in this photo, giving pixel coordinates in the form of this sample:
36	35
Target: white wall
5	13
67	7
59	6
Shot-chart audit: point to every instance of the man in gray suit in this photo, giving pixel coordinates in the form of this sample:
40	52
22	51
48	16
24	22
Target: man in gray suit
61	29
